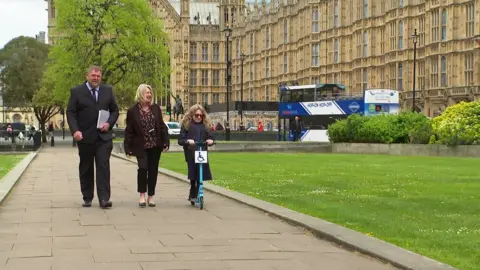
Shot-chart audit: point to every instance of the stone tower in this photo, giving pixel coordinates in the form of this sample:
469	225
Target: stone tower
231	11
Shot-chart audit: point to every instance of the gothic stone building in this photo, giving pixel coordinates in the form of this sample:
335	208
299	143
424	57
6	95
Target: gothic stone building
363	44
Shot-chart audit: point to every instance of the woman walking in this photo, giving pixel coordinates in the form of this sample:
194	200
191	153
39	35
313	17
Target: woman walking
146	135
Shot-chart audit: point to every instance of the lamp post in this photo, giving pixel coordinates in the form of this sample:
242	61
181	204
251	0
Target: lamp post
414	36
228	32
62	113
168	105
242	58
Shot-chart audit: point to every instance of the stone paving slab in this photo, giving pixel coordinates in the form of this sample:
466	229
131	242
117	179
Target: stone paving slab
43	226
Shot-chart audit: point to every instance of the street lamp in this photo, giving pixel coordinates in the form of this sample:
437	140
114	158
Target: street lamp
414	36
168	105
62	113
242	58
228	32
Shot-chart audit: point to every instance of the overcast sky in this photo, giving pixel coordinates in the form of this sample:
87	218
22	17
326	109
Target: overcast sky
26	18
22	18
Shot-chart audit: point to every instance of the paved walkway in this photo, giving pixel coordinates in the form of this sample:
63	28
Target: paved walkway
43	226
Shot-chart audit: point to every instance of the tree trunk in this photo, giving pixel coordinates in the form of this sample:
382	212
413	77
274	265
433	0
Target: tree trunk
42	128
44	114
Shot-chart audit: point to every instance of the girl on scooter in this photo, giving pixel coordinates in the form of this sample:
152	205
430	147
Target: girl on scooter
195	127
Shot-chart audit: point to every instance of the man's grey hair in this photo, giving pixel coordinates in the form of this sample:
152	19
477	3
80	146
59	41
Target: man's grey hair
94	68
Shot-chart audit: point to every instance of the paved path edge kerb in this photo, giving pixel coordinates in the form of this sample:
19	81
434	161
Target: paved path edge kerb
11	178
347	238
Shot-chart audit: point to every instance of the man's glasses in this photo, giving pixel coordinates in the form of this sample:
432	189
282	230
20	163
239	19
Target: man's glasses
198	115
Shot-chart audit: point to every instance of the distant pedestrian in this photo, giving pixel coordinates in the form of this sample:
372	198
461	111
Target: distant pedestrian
296	127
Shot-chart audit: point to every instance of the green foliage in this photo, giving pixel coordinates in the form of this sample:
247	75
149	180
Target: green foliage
23	60
23	78
388	128
121	36
459	124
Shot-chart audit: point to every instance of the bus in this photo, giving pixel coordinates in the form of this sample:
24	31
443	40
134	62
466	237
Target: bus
317	106
381	101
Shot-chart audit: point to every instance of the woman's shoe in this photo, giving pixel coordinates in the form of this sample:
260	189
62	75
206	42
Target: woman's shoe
151	203
142	202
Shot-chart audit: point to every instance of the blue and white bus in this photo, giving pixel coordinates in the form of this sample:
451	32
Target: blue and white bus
317	106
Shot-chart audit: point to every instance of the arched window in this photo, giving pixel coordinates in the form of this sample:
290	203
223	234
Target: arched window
365	44
335	51
444	24
443	71
400	35
400	77
225	15
335	14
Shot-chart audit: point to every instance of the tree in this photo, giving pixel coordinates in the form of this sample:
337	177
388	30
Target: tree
23	60
121	36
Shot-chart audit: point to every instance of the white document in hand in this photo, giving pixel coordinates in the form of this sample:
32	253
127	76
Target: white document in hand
102	117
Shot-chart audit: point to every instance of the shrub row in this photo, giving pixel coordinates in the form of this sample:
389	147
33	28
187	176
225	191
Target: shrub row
459	124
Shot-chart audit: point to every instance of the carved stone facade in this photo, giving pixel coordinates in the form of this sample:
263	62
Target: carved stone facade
363	44
360	43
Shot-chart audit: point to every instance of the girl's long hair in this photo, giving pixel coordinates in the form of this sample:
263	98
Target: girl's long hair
188	118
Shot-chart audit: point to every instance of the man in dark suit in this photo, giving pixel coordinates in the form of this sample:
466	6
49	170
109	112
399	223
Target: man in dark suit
296	126
94	143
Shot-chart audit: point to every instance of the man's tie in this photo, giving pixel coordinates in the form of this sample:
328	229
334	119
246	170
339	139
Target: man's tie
94	90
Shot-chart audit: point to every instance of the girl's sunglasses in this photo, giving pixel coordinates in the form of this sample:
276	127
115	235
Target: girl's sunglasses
198	115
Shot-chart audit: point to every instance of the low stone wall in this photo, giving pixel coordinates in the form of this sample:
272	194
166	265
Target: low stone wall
254	147
219	135
346	148
407	149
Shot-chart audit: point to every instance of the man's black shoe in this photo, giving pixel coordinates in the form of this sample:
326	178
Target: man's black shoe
105	204
87	203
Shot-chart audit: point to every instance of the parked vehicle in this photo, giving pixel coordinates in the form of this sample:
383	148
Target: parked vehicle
173	129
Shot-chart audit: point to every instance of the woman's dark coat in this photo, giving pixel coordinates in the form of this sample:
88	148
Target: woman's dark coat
134	142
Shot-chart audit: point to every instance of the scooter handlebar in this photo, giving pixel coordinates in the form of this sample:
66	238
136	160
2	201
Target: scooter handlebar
198	143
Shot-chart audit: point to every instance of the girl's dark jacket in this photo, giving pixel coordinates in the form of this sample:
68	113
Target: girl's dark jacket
196	132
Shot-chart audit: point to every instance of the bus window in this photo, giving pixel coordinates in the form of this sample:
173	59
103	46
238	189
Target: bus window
297	96
286	96
323	94
319	121
308	94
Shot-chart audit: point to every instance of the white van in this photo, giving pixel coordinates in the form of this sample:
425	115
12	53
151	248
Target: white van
173	128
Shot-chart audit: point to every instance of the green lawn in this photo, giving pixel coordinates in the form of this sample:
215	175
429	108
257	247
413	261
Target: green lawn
7	162
429	205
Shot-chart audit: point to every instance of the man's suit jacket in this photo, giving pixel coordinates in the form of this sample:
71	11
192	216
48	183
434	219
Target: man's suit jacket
296	126
82	112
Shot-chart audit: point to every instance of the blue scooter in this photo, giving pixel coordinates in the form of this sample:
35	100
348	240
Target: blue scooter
201	157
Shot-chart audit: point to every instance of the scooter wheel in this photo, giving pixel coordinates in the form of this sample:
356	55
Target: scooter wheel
201	203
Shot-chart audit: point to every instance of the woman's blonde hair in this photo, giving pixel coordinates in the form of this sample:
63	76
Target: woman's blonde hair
140	95
188	118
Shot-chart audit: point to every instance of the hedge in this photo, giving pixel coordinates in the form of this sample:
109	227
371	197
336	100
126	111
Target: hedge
387	128
459	124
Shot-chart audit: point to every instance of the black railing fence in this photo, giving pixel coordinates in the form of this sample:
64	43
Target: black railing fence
20	140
